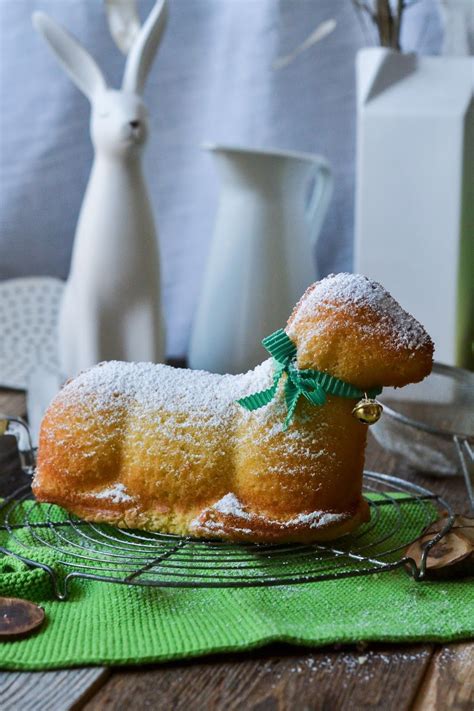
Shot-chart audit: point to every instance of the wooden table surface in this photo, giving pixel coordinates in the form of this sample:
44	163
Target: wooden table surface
274	678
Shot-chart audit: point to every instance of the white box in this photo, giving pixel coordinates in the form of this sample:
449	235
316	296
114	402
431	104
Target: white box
414	223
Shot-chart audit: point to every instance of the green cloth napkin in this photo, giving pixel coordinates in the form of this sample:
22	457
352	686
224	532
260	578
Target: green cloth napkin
104	623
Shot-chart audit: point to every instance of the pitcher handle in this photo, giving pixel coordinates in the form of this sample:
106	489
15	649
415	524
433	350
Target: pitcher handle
320	197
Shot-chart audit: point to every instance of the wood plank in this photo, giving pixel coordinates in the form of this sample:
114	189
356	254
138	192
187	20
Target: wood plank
49	691
449	680
383	678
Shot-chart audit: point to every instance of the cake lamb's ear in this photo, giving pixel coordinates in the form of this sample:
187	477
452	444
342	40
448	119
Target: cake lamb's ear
78	63
144	49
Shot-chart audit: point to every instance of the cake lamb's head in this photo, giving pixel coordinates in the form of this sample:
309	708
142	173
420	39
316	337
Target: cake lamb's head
352	328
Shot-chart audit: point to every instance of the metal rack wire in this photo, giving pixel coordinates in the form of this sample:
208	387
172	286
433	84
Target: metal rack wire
400	511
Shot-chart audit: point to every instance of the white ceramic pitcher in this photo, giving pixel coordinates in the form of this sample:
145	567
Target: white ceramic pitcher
271	209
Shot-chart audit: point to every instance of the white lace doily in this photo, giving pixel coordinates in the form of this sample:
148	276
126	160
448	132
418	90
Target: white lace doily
29	309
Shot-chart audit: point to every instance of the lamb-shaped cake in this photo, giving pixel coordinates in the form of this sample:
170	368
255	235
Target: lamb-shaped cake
275	454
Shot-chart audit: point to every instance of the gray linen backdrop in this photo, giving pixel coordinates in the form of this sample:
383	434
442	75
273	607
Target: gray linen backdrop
213	80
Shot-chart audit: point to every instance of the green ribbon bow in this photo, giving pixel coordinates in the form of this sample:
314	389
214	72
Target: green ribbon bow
311	384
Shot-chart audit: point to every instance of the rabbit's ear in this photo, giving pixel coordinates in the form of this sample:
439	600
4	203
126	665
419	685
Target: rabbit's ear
144	49
77	62
124	23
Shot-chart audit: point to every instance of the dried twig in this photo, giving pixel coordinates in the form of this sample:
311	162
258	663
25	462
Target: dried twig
387	19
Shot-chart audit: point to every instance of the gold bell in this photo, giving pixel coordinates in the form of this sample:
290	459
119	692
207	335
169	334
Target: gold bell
367	411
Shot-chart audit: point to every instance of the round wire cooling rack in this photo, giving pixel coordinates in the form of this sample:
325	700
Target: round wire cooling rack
47	537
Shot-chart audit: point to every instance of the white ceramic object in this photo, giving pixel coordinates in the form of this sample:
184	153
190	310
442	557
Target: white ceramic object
262	253
124	22
29	308
112	302
414	203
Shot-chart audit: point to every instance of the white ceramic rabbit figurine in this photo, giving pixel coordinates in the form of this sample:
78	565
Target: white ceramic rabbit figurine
112	303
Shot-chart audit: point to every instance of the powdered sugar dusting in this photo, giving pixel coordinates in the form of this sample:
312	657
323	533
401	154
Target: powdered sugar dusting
116	493
229	505
350	293
199	399
317	519
208	398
